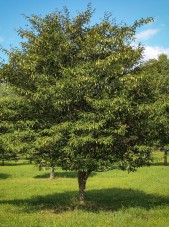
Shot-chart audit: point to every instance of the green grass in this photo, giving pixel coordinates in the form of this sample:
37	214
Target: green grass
114	198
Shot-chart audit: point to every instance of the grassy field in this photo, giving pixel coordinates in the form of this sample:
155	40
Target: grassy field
114	198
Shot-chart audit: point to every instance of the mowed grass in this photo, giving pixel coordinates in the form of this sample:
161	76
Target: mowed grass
114	198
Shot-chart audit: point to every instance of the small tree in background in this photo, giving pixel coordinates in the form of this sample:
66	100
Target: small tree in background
8	102
158	71
15	127
78	80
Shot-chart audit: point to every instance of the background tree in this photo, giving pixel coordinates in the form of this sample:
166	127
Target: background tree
158	71
8	103
15	126
77	79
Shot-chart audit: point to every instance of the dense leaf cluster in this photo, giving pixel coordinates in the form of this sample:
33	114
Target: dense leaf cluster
87	107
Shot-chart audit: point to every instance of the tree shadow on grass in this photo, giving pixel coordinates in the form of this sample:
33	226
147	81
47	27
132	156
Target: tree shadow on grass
158	164
4	176
117	198
65	174
113	199
16	164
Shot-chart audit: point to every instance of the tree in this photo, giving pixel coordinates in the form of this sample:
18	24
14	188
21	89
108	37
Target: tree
77	79
8	103
45	150
15	126
158	71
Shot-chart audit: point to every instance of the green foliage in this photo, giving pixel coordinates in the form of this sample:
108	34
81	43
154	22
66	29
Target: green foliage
8	102
73	77
15	125
158	71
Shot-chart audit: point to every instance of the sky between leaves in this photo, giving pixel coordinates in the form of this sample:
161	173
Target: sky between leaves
153	36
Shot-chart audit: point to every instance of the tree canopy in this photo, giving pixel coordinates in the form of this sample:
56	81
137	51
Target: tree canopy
158	71
88	106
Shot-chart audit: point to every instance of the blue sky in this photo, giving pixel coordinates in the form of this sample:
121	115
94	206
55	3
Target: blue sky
154	36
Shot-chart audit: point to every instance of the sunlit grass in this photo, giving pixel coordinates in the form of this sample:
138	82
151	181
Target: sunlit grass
114	198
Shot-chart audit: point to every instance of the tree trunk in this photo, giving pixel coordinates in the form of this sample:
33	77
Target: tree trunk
82	178
165	158
52	173
40	167
3	162
3	158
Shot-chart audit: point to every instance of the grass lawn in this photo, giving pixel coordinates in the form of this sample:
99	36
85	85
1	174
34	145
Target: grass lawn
114	198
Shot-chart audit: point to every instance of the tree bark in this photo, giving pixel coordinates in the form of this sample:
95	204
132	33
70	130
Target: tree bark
165	158
40	167
3	158
82	178
3	162
52	172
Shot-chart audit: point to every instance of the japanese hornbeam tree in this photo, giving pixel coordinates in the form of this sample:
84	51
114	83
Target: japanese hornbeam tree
78	79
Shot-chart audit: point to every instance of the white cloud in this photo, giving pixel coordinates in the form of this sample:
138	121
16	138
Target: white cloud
147	34
152	52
